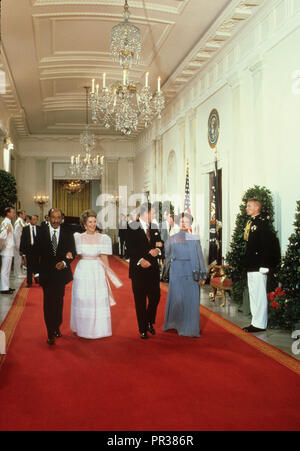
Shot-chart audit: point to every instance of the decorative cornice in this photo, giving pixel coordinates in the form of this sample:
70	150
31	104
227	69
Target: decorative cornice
224	29
118	4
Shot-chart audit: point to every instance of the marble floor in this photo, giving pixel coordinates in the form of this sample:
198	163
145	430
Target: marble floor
278	338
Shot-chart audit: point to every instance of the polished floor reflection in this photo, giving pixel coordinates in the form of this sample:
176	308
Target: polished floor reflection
279	338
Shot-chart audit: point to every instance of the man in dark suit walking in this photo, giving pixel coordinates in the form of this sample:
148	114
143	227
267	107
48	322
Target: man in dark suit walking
144	248
55	249
27	247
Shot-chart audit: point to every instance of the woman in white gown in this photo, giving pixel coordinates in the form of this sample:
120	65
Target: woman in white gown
91	293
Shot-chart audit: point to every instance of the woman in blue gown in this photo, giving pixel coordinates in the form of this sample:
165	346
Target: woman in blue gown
187	264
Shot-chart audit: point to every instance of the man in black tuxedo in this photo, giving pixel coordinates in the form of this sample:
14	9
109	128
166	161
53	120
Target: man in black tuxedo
55	249
144	247
27	247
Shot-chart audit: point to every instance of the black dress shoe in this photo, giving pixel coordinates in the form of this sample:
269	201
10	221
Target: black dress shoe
12	289
6	292
253	329
58	333
151	329
51	341
144	335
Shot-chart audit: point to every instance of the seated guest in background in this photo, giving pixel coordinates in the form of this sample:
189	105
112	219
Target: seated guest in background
7	246
27	247
18	229
187	275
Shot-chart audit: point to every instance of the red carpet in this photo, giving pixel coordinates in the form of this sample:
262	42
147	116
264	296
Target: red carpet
168	383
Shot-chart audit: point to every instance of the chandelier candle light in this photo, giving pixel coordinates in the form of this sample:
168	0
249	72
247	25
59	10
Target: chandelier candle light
123	104
84	166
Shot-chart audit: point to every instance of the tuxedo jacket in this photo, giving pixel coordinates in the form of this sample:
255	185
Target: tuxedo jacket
138	247
26	247
47	261
262	247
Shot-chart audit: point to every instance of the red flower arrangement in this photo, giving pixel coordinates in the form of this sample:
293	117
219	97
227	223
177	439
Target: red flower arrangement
276	296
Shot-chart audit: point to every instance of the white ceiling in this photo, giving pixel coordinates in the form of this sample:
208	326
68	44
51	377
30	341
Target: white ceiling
53	48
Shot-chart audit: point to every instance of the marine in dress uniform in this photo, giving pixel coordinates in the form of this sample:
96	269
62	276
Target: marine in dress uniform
259	261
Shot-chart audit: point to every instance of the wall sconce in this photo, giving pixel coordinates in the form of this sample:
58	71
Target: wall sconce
41	201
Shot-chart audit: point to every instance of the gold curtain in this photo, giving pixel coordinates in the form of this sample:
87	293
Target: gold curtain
71	204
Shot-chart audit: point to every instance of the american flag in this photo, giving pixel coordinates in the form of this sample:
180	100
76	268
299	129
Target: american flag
215	223
187	197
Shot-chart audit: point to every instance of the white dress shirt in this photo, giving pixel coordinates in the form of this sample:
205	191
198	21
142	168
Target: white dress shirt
32	234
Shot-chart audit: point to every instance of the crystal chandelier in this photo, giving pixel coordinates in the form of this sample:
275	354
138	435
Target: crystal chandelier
126	41
123	104
84	166
73	186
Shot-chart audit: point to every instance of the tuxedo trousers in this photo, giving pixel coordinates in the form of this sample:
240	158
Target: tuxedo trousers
53	306
257	286
31	265
146	285
5	272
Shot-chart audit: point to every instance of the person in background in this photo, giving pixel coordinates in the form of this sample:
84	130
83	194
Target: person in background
7	244
165	233
174	228
122	235
45	223
28	248
187	275
18	229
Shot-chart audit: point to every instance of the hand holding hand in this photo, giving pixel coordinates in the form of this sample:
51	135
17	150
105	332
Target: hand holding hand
145	264
158	244
60	265
69	256
154	252
201	283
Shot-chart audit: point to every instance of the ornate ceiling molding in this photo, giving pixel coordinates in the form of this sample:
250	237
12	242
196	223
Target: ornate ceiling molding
177	8
10	100
224	29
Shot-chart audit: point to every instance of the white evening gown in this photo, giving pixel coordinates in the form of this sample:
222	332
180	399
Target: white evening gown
90	311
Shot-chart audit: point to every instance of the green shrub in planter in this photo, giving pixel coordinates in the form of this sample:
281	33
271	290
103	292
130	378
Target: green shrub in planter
8	190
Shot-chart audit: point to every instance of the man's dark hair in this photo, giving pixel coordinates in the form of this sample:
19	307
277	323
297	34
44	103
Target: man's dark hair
7	210
55	209
145	207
